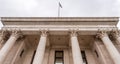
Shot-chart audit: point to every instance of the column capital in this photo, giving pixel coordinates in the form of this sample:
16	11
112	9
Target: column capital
44	32
101	33
115	33
4	34
73	32
16	33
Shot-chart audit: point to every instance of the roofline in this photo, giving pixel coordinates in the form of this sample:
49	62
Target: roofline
58	17
15	19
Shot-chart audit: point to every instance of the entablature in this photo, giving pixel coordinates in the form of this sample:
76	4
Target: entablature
60	25
60	31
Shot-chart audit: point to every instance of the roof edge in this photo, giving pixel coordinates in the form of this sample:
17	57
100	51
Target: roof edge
27	19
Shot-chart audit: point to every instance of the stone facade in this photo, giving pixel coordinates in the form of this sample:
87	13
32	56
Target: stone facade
59	40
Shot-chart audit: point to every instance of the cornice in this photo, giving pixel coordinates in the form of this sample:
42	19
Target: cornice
60	19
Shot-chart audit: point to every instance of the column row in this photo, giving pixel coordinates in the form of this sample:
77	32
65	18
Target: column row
77	58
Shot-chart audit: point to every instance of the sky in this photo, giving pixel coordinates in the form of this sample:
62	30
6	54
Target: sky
70	8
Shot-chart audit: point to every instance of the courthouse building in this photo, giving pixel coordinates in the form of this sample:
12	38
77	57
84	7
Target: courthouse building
59	40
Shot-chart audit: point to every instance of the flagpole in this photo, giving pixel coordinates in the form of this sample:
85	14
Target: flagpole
58	10
59	6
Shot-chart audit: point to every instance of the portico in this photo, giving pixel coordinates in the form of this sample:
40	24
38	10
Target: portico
59	40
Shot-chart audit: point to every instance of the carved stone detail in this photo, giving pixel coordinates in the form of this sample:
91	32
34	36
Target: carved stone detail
4	34
44	32
115	33
101	33
16	33
73	32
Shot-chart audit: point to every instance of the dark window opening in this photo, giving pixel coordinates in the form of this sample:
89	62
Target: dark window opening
59	57
84	57
21	53
96	53
33	57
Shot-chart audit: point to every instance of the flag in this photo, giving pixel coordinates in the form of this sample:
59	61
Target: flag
60	5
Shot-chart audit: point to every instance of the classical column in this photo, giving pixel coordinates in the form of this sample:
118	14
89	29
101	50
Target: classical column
40	49
2	35
76	52
110	47
116	35
8	45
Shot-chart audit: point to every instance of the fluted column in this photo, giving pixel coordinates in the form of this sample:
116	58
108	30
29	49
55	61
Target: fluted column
110	47
8	45
116	35
77	57
40	49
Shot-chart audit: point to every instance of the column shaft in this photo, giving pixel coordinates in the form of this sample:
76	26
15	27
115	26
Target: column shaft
40	50
77	57
6	48
111	48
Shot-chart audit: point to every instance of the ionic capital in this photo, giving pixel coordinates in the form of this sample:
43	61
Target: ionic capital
102	33
115	33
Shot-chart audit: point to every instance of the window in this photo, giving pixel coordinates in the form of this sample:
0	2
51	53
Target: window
59	57
21	53
84	57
